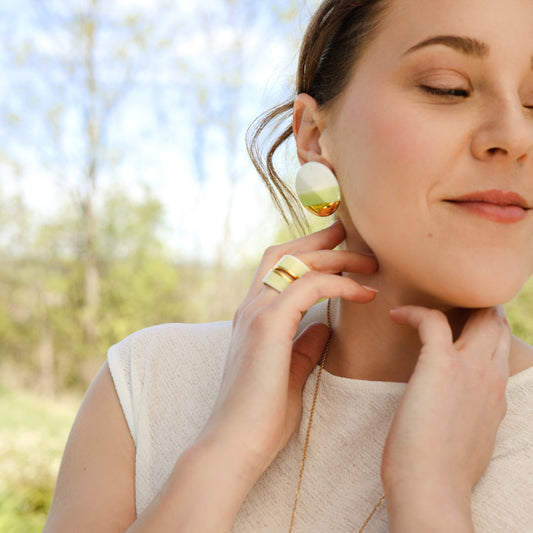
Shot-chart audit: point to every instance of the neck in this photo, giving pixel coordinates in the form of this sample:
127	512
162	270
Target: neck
367	344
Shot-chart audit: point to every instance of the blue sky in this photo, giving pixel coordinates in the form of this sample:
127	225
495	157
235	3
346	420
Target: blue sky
151	137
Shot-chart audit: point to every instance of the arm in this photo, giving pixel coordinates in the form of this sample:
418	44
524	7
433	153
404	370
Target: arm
257	410
95	489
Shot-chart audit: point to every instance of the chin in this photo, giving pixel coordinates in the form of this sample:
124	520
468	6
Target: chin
453	284
483	289
478	300
462	297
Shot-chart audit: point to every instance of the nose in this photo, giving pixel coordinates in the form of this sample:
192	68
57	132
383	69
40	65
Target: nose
505	132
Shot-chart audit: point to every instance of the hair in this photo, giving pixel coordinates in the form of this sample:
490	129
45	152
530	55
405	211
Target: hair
334	41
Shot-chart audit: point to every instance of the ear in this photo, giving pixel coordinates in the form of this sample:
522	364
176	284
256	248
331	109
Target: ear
307	127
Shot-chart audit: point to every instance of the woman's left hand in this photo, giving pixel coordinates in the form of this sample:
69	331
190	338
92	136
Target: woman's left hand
443	434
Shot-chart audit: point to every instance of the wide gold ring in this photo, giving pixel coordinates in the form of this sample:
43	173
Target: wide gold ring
287	270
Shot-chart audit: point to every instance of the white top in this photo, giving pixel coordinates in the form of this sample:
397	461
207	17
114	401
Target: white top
167	378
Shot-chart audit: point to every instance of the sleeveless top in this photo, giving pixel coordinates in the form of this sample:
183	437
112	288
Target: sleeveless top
167	378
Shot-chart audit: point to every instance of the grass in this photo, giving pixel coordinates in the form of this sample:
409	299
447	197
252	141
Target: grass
33	433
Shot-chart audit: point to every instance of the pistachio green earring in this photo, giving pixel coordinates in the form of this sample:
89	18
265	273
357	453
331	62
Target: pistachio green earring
317	189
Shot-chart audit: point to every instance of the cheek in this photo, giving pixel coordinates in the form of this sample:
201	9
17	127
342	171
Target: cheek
386	177
389	162
405	143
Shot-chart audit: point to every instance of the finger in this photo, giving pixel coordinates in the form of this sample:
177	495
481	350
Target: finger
481	332
325	239
503	348
432	325
312	287
335	261
306	353
327	261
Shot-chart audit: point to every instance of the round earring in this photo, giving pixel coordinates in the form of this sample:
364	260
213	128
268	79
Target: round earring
317	189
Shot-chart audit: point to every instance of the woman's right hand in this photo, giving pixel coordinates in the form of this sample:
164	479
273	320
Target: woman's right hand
259	404
256	411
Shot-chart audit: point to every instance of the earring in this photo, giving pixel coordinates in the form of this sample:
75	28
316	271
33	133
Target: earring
317	189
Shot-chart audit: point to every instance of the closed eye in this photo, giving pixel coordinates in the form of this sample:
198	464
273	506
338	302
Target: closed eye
439	91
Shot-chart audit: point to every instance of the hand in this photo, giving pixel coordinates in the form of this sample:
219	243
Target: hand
443	434
259	404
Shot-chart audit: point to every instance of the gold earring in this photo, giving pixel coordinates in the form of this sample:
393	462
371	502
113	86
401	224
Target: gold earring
317	189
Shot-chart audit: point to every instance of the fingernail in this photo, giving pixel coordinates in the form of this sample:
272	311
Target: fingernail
368	288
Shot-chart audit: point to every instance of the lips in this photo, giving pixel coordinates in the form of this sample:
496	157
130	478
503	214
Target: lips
499	206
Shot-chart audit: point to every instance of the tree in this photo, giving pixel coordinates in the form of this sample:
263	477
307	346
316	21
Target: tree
78	71
85	73
235	38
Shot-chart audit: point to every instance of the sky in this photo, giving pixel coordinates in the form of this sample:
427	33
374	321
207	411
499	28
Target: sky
151	136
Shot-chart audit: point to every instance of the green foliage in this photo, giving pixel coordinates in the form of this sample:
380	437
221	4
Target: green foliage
136	297
520	313
140	284
25	503
33	433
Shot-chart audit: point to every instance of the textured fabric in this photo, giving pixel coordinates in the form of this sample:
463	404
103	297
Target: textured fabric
167	378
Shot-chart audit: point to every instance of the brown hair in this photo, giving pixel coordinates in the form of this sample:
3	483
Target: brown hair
335	38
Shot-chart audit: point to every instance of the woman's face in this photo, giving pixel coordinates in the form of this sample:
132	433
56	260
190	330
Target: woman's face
432	143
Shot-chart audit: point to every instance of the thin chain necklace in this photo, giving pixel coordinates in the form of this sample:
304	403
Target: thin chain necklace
306	444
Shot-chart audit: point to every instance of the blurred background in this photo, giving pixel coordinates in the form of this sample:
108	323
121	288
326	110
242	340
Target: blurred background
126	195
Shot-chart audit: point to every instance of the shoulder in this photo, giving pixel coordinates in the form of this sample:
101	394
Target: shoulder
167	344
165	364
175	336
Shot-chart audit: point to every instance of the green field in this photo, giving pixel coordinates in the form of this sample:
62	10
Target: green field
33	433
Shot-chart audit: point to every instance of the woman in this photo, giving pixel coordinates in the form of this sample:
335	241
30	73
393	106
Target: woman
424	111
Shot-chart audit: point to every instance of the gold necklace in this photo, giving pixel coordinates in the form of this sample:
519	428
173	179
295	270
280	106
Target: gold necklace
306	444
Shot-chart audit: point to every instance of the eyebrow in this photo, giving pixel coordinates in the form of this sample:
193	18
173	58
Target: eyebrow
465	45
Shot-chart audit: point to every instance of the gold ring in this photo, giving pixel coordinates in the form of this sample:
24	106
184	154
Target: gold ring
287	270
